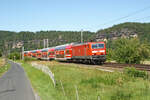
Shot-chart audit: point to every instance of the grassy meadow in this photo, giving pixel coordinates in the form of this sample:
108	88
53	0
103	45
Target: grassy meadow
91	83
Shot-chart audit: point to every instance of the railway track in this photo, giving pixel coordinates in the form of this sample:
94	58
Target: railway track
137	66
145	67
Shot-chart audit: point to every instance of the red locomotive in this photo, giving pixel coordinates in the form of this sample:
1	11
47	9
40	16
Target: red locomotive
90	52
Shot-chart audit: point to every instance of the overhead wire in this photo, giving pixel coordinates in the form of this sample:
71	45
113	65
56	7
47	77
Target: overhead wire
141	18
130	14
124	17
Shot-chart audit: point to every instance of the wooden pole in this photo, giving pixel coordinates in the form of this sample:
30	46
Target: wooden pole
62	88
77	95
98	97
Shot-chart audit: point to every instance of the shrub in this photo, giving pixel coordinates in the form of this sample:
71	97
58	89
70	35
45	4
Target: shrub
130	51
132	72
110	54
0	53
15	56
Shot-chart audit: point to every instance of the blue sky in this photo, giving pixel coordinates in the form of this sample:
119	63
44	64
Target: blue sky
36	15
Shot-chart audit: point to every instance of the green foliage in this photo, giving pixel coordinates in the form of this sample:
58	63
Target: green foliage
110	54
26	59
42	83
121	94
90	83
0	53
130	51
142	29
132	72
14	56
4	68
95	82
34	40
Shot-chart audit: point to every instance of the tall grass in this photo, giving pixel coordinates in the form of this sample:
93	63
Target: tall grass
90	83
132	72
42	84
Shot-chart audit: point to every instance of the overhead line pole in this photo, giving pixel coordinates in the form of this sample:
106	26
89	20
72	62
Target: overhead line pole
81	35
22	52
44	43
47	43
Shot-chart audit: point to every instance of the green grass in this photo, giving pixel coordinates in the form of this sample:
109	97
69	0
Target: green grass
42	84
91	83
3	67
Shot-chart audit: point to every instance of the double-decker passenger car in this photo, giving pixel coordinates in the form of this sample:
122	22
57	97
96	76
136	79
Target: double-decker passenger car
60	52
38	54
25	53
44	53
29	54
33	53
51	53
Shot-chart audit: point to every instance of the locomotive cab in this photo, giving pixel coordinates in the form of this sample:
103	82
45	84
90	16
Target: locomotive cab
98	51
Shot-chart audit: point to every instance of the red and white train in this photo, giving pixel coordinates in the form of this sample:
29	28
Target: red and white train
90	52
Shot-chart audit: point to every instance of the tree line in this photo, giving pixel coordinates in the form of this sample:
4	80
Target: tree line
34	40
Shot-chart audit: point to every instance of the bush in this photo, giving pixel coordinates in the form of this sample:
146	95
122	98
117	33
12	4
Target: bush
132	72
130	51
0	53
14	56
110	54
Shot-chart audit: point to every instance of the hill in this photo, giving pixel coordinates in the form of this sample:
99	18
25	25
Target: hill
128	29
34	40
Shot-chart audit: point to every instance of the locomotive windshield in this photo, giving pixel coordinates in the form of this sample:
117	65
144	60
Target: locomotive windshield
97	46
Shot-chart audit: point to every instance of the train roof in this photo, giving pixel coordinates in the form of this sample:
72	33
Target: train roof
33	51
45	49
77	44
61	47
26	51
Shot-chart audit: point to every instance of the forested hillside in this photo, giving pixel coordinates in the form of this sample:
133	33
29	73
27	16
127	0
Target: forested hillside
142	30
34	40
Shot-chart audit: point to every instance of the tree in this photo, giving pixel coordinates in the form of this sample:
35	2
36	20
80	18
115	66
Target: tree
110	54
15	56
0	53
130	51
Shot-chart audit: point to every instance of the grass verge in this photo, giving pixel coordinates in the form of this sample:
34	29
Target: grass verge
42	84
91	83
3	66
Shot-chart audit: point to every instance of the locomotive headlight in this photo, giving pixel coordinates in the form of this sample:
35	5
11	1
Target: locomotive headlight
94	51
102	51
